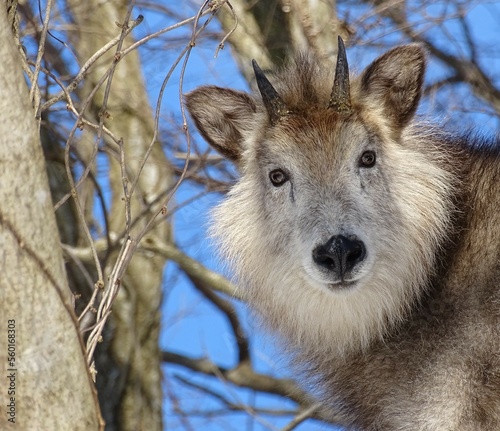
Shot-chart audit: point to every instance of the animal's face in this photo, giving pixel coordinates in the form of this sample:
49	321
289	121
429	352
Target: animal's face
320	186
335	221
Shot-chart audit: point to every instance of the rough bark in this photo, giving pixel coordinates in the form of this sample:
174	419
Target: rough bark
49	387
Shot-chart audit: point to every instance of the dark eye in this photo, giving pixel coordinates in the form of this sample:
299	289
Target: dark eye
278	177
367	159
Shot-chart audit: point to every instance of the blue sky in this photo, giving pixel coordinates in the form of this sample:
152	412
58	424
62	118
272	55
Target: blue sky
190	324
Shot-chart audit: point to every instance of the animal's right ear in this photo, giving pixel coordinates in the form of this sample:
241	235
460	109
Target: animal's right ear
223	117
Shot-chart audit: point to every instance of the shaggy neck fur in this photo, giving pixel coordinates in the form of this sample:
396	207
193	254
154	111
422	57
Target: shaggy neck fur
338	323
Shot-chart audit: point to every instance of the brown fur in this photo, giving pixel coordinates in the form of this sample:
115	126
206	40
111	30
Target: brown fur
415	345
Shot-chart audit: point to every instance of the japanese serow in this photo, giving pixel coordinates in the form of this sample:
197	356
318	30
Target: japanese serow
366	239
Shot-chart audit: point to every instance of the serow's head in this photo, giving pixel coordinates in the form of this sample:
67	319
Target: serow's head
333	209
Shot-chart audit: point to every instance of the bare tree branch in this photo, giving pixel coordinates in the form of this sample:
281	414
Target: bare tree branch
228	310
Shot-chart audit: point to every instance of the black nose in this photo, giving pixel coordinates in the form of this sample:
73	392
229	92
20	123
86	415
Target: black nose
339	255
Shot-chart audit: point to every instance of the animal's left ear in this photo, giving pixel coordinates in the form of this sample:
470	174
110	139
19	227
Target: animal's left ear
394	81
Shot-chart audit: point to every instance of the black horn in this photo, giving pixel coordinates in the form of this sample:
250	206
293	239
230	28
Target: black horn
340	99
274	104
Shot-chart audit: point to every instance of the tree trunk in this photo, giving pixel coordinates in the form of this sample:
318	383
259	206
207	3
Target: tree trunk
46	384
273	31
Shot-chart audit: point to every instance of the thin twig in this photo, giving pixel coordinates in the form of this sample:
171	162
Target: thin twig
232	406
158	107
79	264
127	250
228	310
41	49
151	36
124	257
230	32
77	124
307	413
82	73
185	53
125	182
